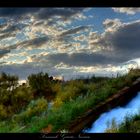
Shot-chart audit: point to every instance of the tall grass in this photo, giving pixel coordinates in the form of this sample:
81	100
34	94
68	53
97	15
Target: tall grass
131	124
72	99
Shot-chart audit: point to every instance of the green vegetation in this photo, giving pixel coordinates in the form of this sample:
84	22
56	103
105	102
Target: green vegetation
131	124
26	108
40	84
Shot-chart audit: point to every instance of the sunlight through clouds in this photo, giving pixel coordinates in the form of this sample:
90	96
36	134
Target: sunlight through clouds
84	41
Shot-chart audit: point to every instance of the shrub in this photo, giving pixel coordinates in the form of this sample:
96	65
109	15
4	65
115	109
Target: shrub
56	87
40	84
3	112
35	108
57	102
72	90
21	97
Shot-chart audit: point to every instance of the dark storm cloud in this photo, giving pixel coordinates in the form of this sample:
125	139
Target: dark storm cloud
40	13
84	59
65	13
124	41
127	38
16	12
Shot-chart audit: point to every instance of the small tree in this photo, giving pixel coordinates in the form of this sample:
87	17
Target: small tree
8	82
40	84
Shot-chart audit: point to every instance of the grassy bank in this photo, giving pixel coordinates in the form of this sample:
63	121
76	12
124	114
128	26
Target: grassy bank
131	124
70	100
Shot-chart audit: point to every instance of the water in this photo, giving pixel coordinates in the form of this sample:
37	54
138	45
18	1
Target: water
118	113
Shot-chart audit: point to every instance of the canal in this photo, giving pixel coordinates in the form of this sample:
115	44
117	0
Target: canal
118	114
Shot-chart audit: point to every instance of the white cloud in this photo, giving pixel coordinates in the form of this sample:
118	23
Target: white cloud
67	48
122	41
129	11
111	25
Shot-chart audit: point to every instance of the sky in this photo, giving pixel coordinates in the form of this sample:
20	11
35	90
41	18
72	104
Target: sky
69	42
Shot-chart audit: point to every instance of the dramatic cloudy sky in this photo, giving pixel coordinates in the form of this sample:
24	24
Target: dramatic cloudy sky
69	41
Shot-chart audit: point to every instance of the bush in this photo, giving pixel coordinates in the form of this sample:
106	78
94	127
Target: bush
35	108
40	84
57	102
21	97
73	98
72	90
3	112
56	88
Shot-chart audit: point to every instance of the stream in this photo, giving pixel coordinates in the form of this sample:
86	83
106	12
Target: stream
118	113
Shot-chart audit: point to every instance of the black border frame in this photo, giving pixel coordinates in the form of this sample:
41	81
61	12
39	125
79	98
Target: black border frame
69	3
66	136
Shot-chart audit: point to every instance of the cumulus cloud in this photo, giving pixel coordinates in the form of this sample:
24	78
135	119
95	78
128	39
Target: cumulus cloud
111	24
3	26
23	70
16	12
7	35
34	28
45	13
80	38
129	11
69	36
4	52
114	47
84	59
41	19
76	59
74	30
64	47
35	42
123	42
10	30
39	13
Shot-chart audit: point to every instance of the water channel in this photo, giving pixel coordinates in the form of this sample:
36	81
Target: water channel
118	114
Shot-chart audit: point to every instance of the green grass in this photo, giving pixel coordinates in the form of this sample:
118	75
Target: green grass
85	96
131	124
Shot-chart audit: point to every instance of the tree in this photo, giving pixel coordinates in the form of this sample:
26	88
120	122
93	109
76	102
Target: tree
8	82
40	84
8	85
